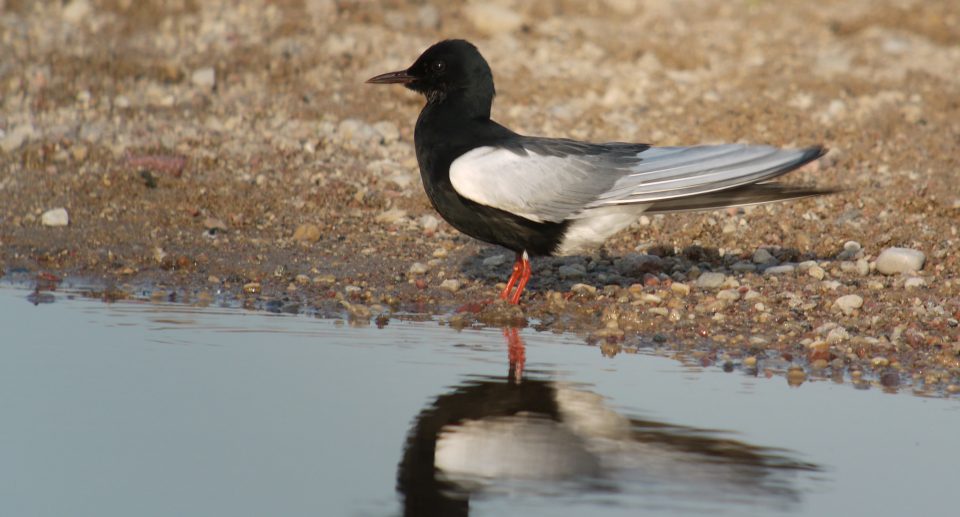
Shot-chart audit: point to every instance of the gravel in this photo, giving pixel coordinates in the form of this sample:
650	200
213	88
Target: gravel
149	119
55	217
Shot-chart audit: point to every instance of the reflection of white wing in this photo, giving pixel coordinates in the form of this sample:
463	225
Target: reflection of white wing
543	183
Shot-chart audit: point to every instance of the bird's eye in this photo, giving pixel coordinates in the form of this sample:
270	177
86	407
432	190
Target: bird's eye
438	66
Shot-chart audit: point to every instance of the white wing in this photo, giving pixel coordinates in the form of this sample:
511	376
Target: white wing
555	180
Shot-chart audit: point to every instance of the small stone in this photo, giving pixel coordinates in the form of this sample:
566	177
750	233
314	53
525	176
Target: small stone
743	267
204	77
212	223
494	261
751	295
848	303
806	265
880	362
762	256
729	295
914	282
451	285
832	285
837	335
307	233
55	217
583	289
213	279
76	11
392	216
817	272
418	268
900	260
710	280
251	288
852	246
863	267
429	223
572	271
659	311
16	137
680	289
490	18
302	279
750	361
784	269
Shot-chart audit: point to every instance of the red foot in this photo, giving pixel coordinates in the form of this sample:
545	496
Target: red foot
520	276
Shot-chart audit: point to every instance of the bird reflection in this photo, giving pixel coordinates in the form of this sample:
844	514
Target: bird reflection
493	432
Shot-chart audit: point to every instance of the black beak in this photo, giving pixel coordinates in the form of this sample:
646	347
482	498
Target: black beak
401	77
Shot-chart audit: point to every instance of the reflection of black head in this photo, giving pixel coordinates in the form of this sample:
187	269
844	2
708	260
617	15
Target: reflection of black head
423	493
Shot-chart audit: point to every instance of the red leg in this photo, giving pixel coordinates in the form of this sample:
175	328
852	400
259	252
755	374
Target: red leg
517	268
516	353
524	278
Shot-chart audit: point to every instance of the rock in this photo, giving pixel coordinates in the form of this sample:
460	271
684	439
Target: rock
863	267
743	267
16	137
848	303
914	282
680	289
429	223
205	77
251	288
583	289
392	216
55	217
451	285
214	224
710	280
490	18
784	269
816	272
900	260
634	265
418	268
572	271
494	261
728	295
307	233
76	11
762	256
388	131
837	335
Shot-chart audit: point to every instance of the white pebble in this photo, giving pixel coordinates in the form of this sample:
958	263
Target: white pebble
205	77
900	260
914	282
55	217
418	268
817	272
451	285
849	303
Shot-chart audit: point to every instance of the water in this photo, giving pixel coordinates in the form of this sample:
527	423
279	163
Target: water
147	409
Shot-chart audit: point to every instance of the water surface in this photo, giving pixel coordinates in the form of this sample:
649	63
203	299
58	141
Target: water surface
145	409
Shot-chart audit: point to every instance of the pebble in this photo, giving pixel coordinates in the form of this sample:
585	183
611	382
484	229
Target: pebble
16	137
418	268
710	280
55	217
729	295
392	216
817	272
914	282
743	267
212	223
451	285
429	223
780	270
204	77
762	256
572	271
251	288
636	264
849	303
307	233
302	279
832	285
837	335
900	260
583	289
494	261
490	18
680	288
750	361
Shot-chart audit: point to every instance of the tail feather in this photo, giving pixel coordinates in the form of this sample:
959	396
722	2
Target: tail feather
755	194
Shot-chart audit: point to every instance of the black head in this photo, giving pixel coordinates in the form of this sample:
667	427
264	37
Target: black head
447	67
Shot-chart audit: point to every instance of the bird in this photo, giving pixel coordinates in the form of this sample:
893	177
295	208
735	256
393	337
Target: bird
540	196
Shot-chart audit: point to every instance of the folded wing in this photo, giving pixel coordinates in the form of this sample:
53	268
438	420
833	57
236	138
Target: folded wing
554	180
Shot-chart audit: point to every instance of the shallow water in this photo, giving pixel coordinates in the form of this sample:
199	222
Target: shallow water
139	408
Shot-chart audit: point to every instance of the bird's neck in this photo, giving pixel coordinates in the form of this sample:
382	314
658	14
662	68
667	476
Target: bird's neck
462	105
